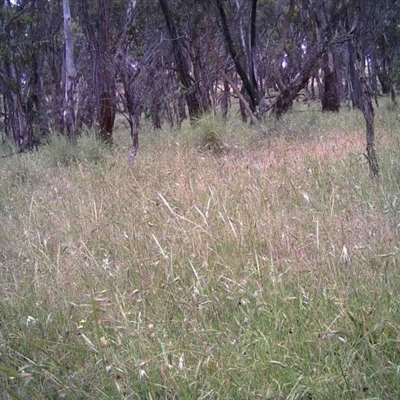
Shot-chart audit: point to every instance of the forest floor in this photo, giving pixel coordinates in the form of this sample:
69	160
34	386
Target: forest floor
227	262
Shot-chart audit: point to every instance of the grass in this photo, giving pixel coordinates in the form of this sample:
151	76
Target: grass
228	262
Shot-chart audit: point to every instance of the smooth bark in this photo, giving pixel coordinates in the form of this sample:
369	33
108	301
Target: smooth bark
70	73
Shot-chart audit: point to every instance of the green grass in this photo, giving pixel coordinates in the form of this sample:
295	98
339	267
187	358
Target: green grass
228	262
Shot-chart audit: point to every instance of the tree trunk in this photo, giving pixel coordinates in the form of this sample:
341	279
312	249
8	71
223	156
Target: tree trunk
106	81
107	115
384	80
200	78
353	78
128	76
18	122
244	106
285	99
368	112
252	67
134	125
330	97
280	48
251	90
85	105
393	95
70	74
191	92
316	48
56	98
5	132
225	99
21	126
364	102
155	112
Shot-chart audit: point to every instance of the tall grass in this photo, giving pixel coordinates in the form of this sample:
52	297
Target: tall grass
268	270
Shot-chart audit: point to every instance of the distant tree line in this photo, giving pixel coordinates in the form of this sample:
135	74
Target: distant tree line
72	65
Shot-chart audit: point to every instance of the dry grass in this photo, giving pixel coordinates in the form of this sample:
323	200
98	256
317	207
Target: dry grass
266	270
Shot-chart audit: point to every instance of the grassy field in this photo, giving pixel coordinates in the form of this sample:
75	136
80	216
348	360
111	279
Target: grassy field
228	262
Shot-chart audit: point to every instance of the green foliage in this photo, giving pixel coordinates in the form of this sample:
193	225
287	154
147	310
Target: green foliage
6	149
209	131
62	152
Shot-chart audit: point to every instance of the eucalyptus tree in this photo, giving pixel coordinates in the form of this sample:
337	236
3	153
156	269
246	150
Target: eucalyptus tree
128	70
384	49
95	19
317	33
187	54
27	33
357	14
69	73
280	45
247	77
159	58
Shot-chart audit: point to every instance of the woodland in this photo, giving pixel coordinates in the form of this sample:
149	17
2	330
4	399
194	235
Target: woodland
69	66
249	249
